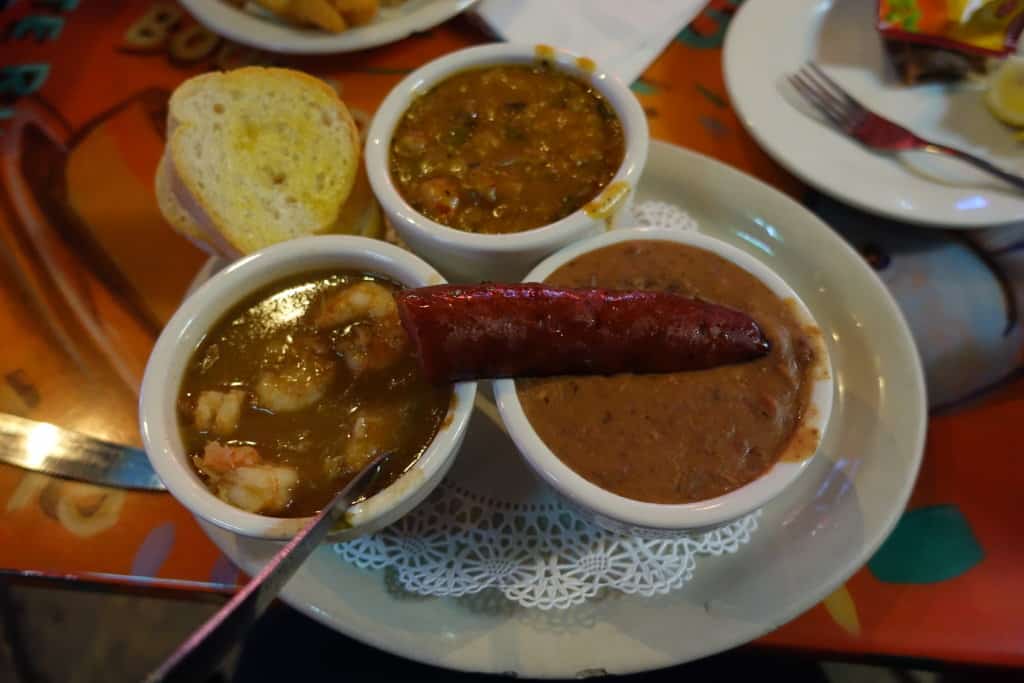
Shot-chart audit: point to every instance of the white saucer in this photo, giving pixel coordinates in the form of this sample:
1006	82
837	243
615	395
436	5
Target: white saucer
811	538
768	40
391	24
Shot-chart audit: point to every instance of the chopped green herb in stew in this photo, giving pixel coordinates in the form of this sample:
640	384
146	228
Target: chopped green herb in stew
506	148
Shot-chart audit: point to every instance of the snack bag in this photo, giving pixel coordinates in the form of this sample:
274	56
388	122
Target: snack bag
946	39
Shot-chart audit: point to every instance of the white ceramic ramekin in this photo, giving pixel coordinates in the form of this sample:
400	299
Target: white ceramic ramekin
158	414
620	513
465	256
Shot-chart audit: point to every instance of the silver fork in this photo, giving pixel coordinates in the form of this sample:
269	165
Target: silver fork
872	130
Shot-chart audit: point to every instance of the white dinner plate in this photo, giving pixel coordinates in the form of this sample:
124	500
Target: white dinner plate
768	40
268	33
810	540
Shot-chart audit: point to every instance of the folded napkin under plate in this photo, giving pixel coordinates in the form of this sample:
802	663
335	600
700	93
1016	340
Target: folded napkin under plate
622	37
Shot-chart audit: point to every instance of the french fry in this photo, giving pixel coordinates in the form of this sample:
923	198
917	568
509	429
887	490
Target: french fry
357	12
319	13
276	6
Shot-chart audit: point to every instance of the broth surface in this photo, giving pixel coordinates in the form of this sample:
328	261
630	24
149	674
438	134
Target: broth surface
298	387
685	436
506	148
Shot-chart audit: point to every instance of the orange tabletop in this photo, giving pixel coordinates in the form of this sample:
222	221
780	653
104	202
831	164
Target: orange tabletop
90	272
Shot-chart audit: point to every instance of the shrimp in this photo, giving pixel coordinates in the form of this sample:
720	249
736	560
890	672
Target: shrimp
372	347
220	459
242	479
371	434
219	410
439	196
361	301
377	339
261	488
298	380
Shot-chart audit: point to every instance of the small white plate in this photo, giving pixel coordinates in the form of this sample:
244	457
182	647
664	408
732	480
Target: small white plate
768	40
811	538
268	33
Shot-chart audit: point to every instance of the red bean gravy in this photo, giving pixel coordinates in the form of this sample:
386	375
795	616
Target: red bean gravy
685	436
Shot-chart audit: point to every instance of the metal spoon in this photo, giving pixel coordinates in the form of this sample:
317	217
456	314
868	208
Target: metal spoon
202	652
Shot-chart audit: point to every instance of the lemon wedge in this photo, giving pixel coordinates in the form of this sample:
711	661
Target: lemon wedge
1005	95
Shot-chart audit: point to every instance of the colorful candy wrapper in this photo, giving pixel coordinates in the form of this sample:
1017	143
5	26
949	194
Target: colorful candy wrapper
946	39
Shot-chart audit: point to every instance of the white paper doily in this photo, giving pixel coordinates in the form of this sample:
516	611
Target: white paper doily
492	525
663	215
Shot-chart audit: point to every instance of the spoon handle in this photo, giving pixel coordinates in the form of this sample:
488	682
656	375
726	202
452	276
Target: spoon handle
202	652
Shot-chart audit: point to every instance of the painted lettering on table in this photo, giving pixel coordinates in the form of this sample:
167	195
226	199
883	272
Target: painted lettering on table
162	29
57	5
707	31
19	80
43	26
23	79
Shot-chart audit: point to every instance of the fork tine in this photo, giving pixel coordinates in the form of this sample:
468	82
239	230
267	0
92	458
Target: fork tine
844	108
811	91
814	98
836	88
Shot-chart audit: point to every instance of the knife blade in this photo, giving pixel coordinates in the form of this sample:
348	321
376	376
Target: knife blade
47	448
200	655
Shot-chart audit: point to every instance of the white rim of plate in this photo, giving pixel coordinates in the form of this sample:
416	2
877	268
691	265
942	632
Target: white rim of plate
247	29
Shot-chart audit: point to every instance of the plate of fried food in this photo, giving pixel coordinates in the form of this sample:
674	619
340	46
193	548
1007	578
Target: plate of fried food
321	26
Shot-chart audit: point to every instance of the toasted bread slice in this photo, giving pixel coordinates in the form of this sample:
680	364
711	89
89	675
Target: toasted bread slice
173	211
361	214
174	203
260	155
